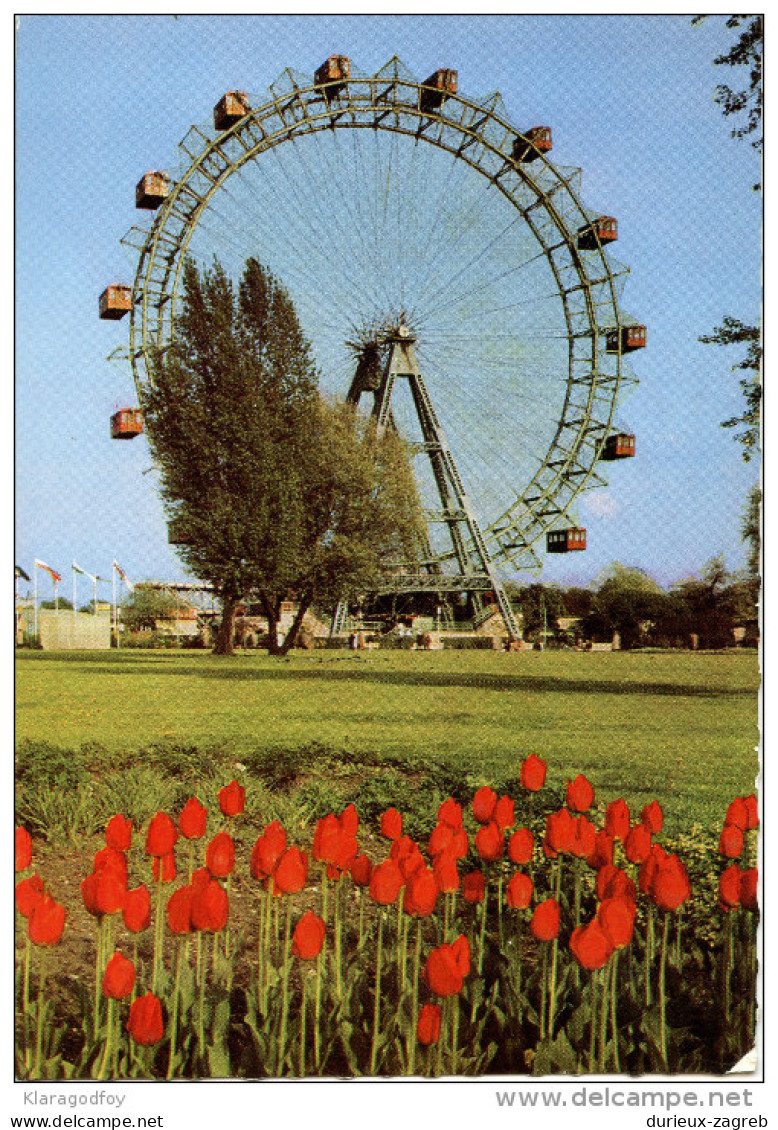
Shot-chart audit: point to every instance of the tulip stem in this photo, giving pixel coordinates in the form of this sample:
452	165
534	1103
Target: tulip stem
159	925
317	1013
377	1007
39	1034
201	998
107	1050
662	1001
482	940
649	953
499	907
261	953
336	900
455	1034
301	1067
552	988
614	1025
285	991
26	999
727	968
98	974
360	943
174	1019
604	976
415	1016
594	984
544	994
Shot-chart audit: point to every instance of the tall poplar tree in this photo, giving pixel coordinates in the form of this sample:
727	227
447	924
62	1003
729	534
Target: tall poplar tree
281	495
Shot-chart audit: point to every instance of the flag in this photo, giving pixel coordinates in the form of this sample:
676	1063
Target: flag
78	569
19	572
123	576
52	572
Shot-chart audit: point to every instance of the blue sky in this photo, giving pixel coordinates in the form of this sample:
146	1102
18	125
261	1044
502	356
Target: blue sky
630	100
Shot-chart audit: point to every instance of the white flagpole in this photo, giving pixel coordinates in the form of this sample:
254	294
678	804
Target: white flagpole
74	590
56	599
95	581
115	619
35	599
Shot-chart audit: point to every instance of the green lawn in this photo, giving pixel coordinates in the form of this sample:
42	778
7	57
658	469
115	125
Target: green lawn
682	727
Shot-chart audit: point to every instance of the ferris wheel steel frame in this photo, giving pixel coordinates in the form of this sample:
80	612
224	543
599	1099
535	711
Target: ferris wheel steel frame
478	133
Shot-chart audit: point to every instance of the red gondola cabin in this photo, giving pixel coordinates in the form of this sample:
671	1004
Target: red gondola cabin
629	337
127	423
177	533
536	140
233	106
600	231
564	541
620	445
115	301
333	74
442	83
151	190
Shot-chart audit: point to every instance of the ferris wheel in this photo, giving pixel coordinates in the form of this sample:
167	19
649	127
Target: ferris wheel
441	265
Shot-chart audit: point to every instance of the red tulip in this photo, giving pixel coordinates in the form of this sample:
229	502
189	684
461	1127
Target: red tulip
136	912
460	948
161	836
325	838
178	911
748	889
193	819
391	824
405	853
164	868
268	849
504	813
653	817
428	1028
729	887
118	833
484	802
113	860
533	773
544	924
490	842
308	937
602	851
450	813
22	849
585	838
441	839
520	846
421	893
560	832
144	1023
360	870
580	794
637	845
103	892
349	821
731	841
670	883
443	971
119	977
386	882
617	819
612	882
473	886
210	907
46	922
737	813
649	866
220	855
28	894
617	918
518	892
291	872
232	799
590	945
446	873
752	812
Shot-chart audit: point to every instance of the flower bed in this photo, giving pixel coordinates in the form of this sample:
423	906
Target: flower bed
508	938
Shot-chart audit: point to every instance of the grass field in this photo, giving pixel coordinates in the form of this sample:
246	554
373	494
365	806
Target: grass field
679	727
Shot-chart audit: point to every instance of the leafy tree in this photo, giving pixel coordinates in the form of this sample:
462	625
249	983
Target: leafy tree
745	52
143	607
750	530
712	603
61	602
578	601
280	493
540	606
625	601
734	332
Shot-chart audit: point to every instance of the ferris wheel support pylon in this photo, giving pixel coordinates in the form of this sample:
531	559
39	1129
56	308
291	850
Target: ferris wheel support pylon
476	573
